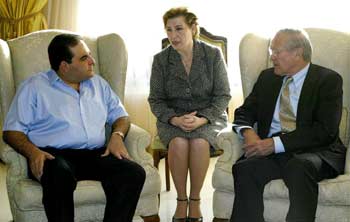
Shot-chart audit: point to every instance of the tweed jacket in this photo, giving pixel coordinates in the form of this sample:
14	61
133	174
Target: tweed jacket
205	90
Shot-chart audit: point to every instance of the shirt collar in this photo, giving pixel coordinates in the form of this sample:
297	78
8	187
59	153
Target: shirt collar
300	76
54	78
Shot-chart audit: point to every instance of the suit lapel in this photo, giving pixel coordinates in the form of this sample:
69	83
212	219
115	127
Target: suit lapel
175	65
272	92
306	91
198	66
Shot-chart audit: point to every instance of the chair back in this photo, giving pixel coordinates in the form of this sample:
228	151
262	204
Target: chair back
205	36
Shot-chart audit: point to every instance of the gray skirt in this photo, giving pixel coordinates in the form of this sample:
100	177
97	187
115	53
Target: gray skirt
208	131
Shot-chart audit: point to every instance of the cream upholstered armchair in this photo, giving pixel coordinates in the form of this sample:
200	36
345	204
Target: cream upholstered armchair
331	49
24	56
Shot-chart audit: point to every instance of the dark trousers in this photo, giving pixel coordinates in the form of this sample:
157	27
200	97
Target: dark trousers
300	174
122	181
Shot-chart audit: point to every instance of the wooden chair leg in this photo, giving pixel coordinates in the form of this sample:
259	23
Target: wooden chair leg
220	220
167	174
156	158
153	218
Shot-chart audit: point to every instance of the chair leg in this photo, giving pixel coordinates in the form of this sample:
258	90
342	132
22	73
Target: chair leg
156	158
153	218
167	174
220	220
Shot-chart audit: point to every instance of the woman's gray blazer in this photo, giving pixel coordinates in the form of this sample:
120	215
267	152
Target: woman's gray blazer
205	90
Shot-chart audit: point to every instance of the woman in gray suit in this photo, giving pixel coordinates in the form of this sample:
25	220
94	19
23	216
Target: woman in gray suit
189	94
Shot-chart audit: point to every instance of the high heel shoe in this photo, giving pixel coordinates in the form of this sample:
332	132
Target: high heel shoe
180	219
194	219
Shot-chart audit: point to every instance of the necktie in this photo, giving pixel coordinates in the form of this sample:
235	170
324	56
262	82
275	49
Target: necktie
287	116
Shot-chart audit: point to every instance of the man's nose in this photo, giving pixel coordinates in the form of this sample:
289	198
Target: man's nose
91	60
273	57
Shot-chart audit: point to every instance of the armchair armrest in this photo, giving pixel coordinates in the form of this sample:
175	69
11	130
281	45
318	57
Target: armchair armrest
17	163
136	143
232	146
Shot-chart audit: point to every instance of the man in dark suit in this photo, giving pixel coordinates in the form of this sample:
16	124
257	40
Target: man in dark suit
296	107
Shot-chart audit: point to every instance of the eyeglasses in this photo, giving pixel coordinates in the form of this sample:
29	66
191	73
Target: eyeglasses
276	52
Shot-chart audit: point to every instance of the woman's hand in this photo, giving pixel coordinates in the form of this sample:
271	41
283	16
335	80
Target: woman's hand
188	122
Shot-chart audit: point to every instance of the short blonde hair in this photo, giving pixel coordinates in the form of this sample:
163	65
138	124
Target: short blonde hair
190	17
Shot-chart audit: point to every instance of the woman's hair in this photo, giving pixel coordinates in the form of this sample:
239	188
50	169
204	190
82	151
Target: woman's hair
190	17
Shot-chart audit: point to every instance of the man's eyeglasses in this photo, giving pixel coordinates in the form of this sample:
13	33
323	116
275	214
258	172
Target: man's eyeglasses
276	52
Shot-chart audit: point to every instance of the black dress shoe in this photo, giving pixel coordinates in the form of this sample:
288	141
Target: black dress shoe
194	219
180	219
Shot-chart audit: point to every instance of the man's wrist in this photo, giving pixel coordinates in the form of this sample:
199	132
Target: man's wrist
119	133
243	131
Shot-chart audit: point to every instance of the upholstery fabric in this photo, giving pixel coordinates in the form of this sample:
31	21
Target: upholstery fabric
27	55
331	49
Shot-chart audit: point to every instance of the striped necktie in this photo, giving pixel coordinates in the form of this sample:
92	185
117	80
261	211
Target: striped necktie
287	116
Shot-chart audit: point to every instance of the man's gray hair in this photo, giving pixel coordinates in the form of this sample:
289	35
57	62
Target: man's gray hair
298	39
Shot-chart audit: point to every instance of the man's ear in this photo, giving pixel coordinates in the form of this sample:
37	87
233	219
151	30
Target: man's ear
64	66
299	52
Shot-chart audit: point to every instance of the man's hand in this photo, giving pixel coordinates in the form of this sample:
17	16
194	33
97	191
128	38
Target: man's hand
188	122
36	162
254	146
259	148
117	148
249	135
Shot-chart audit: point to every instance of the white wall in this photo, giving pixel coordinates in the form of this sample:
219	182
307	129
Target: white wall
139	22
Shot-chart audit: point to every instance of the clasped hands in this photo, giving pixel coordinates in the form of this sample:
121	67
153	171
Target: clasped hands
188	122
254	146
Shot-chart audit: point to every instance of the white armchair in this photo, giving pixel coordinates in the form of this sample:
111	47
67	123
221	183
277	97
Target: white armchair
332	50
24	56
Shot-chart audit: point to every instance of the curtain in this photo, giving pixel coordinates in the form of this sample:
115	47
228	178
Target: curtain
62	14
21	17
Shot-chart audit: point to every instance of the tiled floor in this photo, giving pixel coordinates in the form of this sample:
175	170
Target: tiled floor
167	199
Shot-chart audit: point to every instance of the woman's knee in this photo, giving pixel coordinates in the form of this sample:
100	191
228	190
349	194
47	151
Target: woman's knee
178	146
199	144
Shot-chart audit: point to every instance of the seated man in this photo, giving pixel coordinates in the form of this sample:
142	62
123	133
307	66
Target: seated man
297	107
57	121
